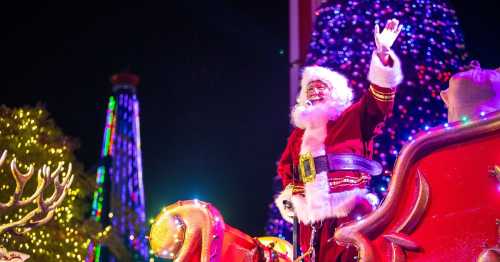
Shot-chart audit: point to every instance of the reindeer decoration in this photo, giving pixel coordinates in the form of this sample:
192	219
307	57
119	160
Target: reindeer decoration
45	207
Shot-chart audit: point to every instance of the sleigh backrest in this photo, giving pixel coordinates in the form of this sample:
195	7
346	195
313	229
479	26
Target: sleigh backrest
443	201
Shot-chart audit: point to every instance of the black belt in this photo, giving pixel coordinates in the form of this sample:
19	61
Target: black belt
309	166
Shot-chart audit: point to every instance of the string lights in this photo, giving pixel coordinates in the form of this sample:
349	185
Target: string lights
29	135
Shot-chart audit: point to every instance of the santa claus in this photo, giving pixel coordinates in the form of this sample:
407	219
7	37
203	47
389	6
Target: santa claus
326	165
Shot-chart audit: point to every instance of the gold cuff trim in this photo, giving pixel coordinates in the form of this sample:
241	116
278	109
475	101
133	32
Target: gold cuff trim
391	91
382	96
298	190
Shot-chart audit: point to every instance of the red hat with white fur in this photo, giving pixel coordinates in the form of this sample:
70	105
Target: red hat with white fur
341	92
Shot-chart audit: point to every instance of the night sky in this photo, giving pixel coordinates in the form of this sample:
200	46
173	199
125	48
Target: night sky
213	91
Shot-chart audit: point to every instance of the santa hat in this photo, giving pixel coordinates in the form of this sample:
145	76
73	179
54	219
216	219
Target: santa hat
472	92
341	92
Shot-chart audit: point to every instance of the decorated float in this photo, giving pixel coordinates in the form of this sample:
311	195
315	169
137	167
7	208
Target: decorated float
443	202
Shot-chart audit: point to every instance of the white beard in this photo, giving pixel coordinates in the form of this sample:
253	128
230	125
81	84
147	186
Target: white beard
318	203
313	119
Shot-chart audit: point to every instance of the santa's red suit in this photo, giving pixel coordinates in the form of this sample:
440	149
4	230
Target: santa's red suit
342	130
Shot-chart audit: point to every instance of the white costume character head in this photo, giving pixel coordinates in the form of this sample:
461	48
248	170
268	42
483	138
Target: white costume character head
472	92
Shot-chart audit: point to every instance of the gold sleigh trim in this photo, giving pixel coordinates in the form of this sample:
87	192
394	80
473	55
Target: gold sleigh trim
357	232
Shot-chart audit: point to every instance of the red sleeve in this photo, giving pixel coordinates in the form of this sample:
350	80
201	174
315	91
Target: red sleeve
383	99
285	164
377	106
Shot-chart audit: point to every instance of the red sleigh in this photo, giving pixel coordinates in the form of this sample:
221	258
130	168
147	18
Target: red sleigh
443	205
443	202
195	231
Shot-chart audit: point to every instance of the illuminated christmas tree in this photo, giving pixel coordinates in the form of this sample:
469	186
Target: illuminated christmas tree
430	46
33	139
118	202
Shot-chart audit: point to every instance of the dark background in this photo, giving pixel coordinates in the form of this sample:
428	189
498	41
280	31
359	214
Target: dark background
213	92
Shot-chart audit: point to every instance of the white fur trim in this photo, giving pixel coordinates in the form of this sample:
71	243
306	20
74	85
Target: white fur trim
319	204
286	194
313	141
313	119
341	92
385	76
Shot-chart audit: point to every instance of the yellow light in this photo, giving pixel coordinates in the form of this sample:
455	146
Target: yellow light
22	129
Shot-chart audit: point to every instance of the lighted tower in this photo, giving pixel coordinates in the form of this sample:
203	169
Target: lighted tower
118	202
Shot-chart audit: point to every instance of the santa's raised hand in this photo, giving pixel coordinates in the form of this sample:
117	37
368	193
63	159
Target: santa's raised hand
386	39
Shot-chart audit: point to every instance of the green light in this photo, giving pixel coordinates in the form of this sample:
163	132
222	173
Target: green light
94	203
100	175
109	125
112	103
465	119
101	171
97	253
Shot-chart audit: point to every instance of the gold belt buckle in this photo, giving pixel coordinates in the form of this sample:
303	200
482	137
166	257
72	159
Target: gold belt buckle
307	170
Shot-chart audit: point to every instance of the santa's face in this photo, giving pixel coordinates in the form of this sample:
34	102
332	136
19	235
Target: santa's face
317	91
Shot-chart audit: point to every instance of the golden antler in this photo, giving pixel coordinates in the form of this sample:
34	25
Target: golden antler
45	208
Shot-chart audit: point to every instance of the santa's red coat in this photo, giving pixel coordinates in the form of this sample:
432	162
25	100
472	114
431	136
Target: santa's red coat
352	132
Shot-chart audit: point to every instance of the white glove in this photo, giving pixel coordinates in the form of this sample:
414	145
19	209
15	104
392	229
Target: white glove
283	202
384	40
